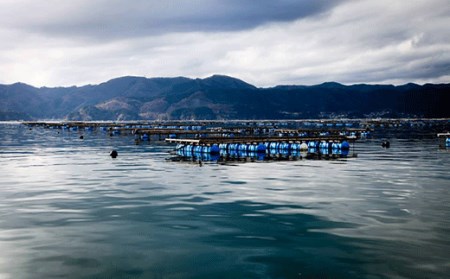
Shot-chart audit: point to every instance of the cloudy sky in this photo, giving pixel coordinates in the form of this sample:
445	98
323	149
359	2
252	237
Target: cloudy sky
264	42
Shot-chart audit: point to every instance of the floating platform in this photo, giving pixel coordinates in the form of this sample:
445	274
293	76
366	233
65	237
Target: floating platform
261	139
215	149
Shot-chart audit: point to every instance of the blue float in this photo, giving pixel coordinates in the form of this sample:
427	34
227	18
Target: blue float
274	145
189	149
336	146
215	149
345	145
295	146
323	145
311	144
242	147
206	149
261	148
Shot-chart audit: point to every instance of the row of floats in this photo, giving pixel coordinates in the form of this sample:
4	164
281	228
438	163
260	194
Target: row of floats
260	150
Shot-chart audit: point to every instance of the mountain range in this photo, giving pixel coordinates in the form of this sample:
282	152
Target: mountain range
220	97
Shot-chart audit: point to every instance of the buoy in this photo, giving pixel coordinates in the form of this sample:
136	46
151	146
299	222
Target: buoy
303	146
113	154
215	149
386	144
261	148
345	145
81	137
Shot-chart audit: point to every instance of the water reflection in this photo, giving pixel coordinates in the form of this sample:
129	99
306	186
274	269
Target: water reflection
249	156
69	210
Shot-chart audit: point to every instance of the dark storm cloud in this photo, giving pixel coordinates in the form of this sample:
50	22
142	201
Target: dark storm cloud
118	18
265	42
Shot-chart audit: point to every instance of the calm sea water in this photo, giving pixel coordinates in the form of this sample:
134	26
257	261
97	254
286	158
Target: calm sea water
68	210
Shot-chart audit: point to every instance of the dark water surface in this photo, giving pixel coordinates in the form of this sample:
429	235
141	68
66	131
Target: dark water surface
70	211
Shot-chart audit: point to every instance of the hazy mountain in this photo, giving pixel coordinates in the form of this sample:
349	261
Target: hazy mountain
219	97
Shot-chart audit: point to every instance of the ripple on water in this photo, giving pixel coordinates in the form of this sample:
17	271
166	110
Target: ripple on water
69	210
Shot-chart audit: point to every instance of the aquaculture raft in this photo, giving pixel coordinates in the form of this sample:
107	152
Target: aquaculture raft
193	147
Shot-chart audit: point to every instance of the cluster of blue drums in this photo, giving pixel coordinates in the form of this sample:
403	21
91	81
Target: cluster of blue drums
261	149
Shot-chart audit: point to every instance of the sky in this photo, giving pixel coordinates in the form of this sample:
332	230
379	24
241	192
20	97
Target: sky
263	42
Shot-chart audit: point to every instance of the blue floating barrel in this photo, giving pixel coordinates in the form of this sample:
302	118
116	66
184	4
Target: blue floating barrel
311	144
232	147
273	145
322	144
243	147
145	137
336	146
345	145
261	148
179	146
189	149
215	149
294	146
172	136
74	128
447	142
223	146
206	149
252	148
285	146
89	129
197	149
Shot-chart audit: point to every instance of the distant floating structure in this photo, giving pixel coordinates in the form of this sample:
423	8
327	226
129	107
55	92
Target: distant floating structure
256	138
444	140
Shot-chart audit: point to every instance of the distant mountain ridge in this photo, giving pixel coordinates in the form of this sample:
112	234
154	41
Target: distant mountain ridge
219	97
